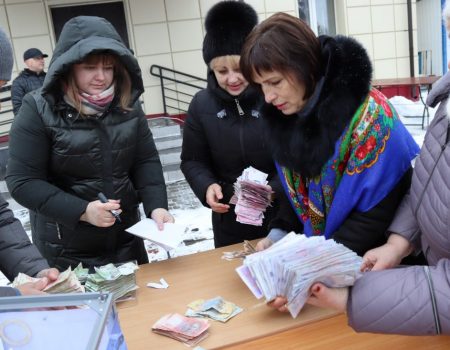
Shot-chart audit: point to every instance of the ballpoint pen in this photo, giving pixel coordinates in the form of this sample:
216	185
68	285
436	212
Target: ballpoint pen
103	199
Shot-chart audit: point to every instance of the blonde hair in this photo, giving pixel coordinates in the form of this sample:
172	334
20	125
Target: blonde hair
220	61
122	81
446	15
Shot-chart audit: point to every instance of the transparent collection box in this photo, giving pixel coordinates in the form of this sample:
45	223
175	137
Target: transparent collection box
64	321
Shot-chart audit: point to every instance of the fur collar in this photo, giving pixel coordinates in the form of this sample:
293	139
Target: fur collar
305	141
249	98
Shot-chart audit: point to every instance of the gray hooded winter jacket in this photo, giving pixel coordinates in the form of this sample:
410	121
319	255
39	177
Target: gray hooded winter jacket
416	300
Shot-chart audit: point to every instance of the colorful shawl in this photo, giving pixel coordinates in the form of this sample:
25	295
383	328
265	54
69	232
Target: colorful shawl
370	157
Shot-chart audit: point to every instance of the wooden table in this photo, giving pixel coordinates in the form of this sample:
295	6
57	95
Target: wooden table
416	84
205	275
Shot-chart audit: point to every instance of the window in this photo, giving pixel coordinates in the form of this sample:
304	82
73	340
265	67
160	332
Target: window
111	11
319	14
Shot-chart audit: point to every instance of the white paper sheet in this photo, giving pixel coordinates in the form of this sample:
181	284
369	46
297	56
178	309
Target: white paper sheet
169	238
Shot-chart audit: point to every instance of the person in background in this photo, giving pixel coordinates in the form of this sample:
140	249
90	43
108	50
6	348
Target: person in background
31	78
409	300
223	134
17	253
342	153
83	133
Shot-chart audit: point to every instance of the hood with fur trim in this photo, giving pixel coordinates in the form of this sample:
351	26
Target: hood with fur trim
306	140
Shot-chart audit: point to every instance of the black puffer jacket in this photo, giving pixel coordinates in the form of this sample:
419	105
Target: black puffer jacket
60	161
218	144
26	82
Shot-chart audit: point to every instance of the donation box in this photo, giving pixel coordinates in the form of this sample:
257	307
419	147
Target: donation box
81	321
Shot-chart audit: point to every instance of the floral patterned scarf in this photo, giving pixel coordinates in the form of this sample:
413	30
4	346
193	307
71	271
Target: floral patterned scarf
370	157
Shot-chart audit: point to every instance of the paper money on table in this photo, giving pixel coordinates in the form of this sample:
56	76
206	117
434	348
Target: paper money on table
67	282
293	264
251	196
169	238
248	249
216	308
118	280
186	329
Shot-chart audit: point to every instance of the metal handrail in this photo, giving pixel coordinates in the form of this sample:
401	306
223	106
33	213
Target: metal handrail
167	75
6	88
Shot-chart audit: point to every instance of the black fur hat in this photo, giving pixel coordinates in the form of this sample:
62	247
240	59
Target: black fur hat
227	25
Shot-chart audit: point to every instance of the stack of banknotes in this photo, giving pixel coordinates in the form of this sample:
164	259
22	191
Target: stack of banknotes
216	308
185	329
290	267
118	280
67	282
251	196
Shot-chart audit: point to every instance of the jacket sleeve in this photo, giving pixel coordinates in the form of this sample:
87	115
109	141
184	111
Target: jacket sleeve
8	292
196	163
405	223
147	174
411	301
362	231
17	253
26	175
17	94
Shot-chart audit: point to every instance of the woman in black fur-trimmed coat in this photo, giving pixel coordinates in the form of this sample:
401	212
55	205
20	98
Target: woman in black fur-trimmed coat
223	134
342	154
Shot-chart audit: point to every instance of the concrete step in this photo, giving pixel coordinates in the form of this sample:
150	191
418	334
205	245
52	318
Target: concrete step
165	131
172	173
168	142
169	158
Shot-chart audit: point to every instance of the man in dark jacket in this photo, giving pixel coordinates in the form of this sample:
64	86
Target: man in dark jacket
31	78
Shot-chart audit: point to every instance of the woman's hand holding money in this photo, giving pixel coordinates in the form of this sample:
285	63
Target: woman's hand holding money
334	298
279	303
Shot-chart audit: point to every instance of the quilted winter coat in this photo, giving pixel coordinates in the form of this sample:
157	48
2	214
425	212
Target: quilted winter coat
59	161
416	300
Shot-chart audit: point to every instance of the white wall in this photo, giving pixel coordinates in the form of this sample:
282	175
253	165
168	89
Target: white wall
170	32
382	27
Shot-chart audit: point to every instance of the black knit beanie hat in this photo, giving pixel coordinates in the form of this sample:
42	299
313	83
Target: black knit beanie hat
227	25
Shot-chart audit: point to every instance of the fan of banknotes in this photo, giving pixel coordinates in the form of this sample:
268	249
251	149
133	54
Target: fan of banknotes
67	282
251	196
290	266
186	329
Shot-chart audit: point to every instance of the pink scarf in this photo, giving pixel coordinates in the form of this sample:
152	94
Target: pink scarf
94	104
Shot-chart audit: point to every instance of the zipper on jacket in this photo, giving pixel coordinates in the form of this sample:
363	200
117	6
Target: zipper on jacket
59	231
437	323
238	106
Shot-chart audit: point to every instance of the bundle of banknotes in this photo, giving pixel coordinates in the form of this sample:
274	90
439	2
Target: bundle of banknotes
251	196
118	280
189	330
67	282
216	308
290	267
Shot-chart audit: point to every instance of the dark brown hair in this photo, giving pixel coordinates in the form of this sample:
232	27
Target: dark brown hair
286	44
122	80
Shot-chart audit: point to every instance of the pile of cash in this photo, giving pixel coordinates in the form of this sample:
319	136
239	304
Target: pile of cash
239	254
186	329
118	280
290	267
251	196
216	308
67	282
